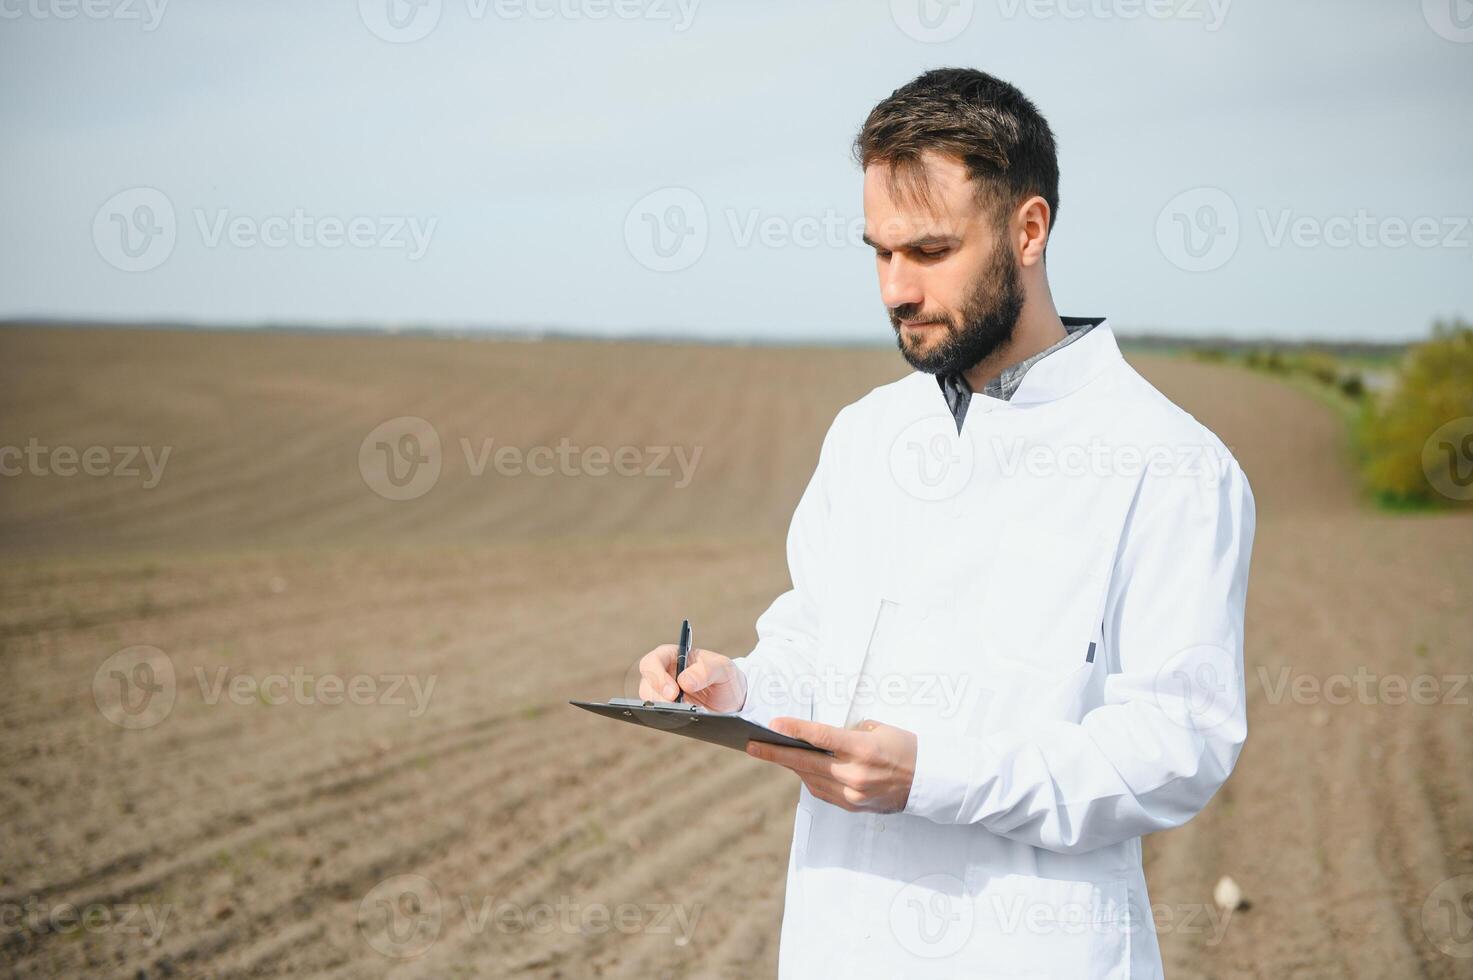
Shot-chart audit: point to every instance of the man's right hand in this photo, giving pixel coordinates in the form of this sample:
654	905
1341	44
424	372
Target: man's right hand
709	679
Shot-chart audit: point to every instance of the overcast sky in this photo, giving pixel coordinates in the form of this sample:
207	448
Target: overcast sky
1252	167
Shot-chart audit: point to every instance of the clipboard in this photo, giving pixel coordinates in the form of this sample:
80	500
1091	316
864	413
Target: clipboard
693	721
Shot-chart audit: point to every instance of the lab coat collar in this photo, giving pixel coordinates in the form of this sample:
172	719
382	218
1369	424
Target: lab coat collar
1070	368
1056	376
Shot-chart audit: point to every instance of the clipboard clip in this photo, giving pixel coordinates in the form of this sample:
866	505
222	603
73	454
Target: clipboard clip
694	709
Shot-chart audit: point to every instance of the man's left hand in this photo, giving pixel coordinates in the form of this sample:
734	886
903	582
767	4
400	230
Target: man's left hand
870	771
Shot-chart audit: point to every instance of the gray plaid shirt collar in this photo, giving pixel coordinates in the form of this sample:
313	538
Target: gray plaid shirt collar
959	396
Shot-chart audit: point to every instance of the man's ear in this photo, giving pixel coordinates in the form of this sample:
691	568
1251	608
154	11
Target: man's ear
1033	221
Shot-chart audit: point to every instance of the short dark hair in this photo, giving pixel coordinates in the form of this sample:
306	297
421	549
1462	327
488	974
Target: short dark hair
1000	136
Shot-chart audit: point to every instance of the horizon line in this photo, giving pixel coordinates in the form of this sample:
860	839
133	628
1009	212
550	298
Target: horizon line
1148	336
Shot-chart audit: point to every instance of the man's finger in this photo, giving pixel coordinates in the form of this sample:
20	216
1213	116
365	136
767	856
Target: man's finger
702	669
661	657
828	791
651	689
838	740
807	763
660	686
798	760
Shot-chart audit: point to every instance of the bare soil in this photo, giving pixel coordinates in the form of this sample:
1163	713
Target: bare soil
266	829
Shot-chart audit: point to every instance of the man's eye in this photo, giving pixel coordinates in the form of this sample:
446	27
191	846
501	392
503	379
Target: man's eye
934	253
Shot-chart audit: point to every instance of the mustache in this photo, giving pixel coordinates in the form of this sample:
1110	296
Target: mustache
900	315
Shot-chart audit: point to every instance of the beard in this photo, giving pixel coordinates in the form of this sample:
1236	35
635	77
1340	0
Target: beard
987	321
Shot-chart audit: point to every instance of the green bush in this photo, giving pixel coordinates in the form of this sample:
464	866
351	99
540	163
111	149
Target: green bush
1319	365
1434	386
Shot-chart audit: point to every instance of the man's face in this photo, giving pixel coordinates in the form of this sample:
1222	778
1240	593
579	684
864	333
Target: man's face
948	278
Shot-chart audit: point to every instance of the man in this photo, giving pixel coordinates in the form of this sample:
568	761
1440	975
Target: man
1018	579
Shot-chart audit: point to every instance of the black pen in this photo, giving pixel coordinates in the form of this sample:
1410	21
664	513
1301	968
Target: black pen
681	656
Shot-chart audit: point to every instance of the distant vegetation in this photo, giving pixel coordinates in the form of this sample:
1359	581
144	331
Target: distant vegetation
1434	388
1394	400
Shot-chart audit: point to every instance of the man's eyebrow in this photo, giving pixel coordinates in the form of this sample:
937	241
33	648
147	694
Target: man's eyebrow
922	242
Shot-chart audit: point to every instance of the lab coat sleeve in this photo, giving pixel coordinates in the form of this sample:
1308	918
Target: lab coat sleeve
779	670
1173	719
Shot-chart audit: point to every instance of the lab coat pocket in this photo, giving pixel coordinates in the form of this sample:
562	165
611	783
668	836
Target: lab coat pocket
802	825
1043	598
1008	694
796	906
844	638
1051	927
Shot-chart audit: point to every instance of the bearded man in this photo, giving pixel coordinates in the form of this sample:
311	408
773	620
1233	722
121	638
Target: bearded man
1018	583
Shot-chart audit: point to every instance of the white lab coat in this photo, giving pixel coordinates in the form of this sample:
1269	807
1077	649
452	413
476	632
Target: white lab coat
1053	601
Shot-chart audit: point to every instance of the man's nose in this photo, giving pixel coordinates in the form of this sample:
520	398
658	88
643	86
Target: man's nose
900	285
